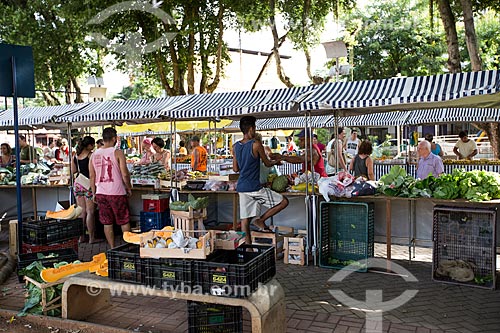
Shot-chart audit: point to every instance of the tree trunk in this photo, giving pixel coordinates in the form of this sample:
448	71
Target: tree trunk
163	76
78	90
493	132
191	13
220	44
451	35
279	70
268	61
470	36
67	93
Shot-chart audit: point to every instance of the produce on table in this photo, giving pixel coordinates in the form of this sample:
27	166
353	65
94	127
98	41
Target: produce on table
195	203
57	273
302	187
153	170
73	212
280	183
476	185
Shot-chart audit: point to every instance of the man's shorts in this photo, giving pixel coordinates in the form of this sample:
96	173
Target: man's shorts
113	208
250	202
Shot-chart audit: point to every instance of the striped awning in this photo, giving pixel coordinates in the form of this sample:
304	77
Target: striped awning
116	112
38	116
453	115
382	119
259	103
476	89
282	123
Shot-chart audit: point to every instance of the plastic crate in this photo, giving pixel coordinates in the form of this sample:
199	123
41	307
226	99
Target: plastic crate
154	205
48	231
125	264
346	234
24	260
235	273
205	318
154	221
469	235
166	273
69	244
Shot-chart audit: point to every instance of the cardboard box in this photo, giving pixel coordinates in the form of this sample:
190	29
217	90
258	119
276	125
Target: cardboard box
228	240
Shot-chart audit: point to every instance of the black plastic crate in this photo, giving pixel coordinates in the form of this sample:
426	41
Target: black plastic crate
235	273
464	237
170	274
154	221
48	231
209	318
125	264
24	260
346	234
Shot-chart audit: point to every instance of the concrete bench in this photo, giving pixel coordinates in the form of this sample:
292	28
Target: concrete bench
85	294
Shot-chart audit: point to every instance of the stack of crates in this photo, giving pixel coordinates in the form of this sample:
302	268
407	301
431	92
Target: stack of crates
155	212
464	238
346	234
50	234
275	239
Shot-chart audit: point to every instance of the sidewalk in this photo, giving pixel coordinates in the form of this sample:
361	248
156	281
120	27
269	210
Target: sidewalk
436	307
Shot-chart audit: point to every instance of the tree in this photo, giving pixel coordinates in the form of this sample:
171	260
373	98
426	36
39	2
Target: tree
449	24
393	39
57	34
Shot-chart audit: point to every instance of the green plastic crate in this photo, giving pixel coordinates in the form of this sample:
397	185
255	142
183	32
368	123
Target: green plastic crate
346	233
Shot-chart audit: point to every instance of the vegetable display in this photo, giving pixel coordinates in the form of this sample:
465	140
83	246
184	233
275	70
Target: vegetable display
195	203
476	185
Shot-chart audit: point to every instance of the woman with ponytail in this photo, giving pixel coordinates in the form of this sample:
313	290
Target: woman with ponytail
80	164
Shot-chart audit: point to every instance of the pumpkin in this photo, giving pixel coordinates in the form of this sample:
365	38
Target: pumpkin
71	213
54	274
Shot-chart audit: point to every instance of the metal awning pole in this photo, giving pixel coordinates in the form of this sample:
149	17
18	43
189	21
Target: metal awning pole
70	144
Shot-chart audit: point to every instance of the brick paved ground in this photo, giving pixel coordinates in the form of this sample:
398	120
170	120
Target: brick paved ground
437	307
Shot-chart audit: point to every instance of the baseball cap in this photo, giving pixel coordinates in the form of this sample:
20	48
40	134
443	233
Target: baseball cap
303	133
147	141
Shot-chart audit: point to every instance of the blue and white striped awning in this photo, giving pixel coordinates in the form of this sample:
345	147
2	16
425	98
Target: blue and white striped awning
38	116
382	119
282	123
132	111
259	103
476	89
453	115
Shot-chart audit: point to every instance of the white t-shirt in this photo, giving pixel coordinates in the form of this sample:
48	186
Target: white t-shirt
466	148
352	146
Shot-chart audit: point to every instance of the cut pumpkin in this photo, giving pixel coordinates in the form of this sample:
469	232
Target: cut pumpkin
71	213
54	274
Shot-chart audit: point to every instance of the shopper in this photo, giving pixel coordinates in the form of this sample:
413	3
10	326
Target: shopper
182	148
435	148
428	163
265	171
147	151
110	184
80	165
62	151
7	160
160	154
28	153
465	148
199	155
352	144
335	153
318	143
99	143
247	156
362	164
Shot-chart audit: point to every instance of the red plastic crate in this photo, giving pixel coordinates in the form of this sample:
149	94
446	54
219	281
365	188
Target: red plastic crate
157	206
69	244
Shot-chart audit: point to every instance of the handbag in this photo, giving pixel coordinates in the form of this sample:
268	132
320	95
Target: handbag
81	179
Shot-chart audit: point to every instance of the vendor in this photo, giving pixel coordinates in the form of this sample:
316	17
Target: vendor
28	153
147	151
317	159
199	155
161	155
428	162
182	149
465	148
